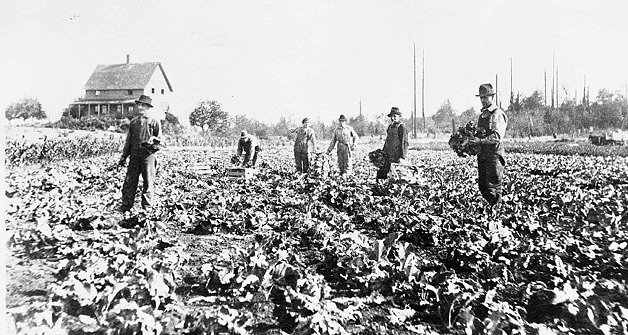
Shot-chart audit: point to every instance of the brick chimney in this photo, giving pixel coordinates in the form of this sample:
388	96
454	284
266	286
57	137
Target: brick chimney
127	58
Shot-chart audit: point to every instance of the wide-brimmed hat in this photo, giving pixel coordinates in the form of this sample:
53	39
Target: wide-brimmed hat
305	120
342	118
144	99
486	90
394	111
243	133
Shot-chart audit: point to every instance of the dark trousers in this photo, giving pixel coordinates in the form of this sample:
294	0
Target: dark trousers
302	160
490	177
248	154
147	167
382	173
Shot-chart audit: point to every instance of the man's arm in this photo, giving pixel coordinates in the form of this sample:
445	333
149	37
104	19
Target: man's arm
313	139
332	143
403	138
240	147
126	152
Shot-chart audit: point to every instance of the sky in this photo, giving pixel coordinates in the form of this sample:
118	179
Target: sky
320	59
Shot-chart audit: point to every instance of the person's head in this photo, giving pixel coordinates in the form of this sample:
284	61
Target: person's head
395	115
486	95
244	134
342	119
143	103
306	123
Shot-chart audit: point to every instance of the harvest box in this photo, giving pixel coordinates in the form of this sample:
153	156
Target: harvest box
406	173
240	172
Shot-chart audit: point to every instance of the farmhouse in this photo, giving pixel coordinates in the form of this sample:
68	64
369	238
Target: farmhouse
112	90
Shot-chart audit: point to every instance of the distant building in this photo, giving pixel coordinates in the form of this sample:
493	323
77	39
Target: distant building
112	90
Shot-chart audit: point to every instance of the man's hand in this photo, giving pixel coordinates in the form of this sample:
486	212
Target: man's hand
402	161
474	141
122	161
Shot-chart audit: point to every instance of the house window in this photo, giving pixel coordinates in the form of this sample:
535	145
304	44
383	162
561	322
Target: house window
97	92
129	92
152	90
131	108
97	108
162	91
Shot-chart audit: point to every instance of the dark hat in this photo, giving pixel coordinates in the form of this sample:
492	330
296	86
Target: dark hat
243	133
342	118
144	99
305	120
394	111
486	90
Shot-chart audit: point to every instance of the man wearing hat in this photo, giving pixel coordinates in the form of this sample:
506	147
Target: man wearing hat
492	122
142	142
303	145
396	144
346	137
250	145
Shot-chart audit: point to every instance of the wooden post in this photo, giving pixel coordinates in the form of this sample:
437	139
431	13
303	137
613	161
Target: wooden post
423	90
414	96
453	125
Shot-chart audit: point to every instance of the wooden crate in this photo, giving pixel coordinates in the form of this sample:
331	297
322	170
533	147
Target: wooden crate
205	167
411	174
240	173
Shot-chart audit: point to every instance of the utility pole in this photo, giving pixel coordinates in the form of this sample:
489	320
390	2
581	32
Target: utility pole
414	95
584	91
557	90
496	92
553	73
545	86
511	93
423	90
360	108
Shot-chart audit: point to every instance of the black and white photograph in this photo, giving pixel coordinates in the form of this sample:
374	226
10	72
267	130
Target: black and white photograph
314	167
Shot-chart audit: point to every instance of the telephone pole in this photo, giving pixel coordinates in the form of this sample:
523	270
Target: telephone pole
423	90
414	95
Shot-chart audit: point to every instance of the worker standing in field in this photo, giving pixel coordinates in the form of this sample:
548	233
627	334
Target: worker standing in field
249	144
396	144
304	144
346	137
142	142
492	123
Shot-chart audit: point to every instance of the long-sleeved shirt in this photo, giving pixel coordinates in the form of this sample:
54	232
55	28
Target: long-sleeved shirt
494	122
396	144
498	121
343	135
305	141
247	144
141	129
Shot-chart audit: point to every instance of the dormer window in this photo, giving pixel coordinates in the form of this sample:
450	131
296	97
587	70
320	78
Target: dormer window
152	90
97	92
129	92
162	91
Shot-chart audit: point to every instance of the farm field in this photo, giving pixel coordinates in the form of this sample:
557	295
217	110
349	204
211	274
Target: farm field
343	255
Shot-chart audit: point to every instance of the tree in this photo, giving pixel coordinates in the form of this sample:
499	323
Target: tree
210	117
359	124
171	124
242	122
444	115
468	115
535	101
25	109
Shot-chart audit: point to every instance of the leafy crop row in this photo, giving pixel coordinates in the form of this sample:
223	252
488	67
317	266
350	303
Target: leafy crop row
333	256
22	152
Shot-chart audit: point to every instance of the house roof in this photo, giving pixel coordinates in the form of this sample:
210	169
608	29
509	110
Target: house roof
124	76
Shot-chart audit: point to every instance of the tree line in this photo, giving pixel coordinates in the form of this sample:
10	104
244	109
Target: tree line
528	116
